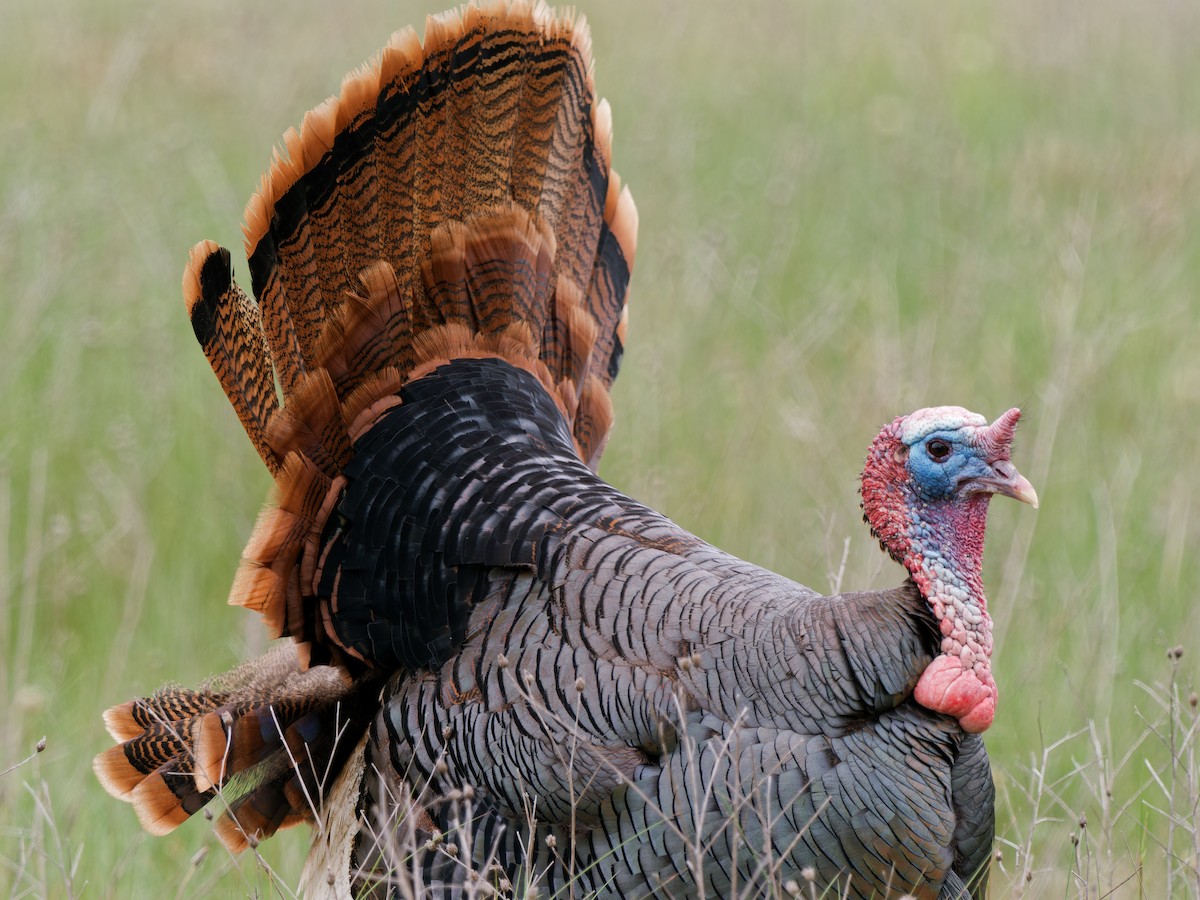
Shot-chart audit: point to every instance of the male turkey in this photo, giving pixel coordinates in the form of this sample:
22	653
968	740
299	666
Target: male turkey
493	648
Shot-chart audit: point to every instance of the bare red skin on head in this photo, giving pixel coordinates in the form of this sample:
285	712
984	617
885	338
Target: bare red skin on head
941	545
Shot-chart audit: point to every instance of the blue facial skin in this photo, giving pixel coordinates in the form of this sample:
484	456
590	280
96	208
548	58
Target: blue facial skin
936	479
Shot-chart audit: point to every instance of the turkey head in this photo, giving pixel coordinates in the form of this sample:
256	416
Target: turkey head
925	492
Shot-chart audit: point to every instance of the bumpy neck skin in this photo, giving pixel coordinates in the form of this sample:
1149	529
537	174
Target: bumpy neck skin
940	543
945	559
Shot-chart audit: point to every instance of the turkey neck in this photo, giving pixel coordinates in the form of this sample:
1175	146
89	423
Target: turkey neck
945	560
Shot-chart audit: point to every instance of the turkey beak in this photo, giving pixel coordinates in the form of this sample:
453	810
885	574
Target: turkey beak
1006	480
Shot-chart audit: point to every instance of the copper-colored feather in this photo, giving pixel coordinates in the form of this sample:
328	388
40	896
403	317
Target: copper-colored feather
229	328
261	733
453	197
455	200
166	798
465	185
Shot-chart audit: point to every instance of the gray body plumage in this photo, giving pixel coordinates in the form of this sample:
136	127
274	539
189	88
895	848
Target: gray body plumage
655	704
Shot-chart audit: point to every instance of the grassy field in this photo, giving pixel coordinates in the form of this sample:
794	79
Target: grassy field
848	211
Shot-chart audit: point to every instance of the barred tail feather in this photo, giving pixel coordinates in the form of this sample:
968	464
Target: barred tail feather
267	738
455	199
229	327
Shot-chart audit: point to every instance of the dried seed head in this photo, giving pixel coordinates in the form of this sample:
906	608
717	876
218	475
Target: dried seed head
447	732
792	887
502	661
198	857
452	849
468	792
808	873
208	814
528	676
440	767
1193	700
551	841
41	745
696	660
685	664
1083	820
580	684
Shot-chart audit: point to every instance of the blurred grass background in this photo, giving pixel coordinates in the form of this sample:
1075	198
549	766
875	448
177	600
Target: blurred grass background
848	211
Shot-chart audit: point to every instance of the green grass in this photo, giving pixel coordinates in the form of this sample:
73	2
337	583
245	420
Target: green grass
847	211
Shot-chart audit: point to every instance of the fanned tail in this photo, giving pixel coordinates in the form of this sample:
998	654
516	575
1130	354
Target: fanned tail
455	200
266	738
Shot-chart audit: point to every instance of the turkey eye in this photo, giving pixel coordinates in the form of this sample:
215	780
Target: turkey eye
938	450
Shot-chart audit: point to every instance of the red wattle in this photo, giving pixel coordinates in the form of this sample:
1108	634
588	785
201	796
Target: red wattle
947	687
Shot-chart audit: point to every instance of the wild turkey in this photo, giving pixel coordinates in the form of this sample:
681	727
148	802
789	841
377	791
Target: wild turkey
491	646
